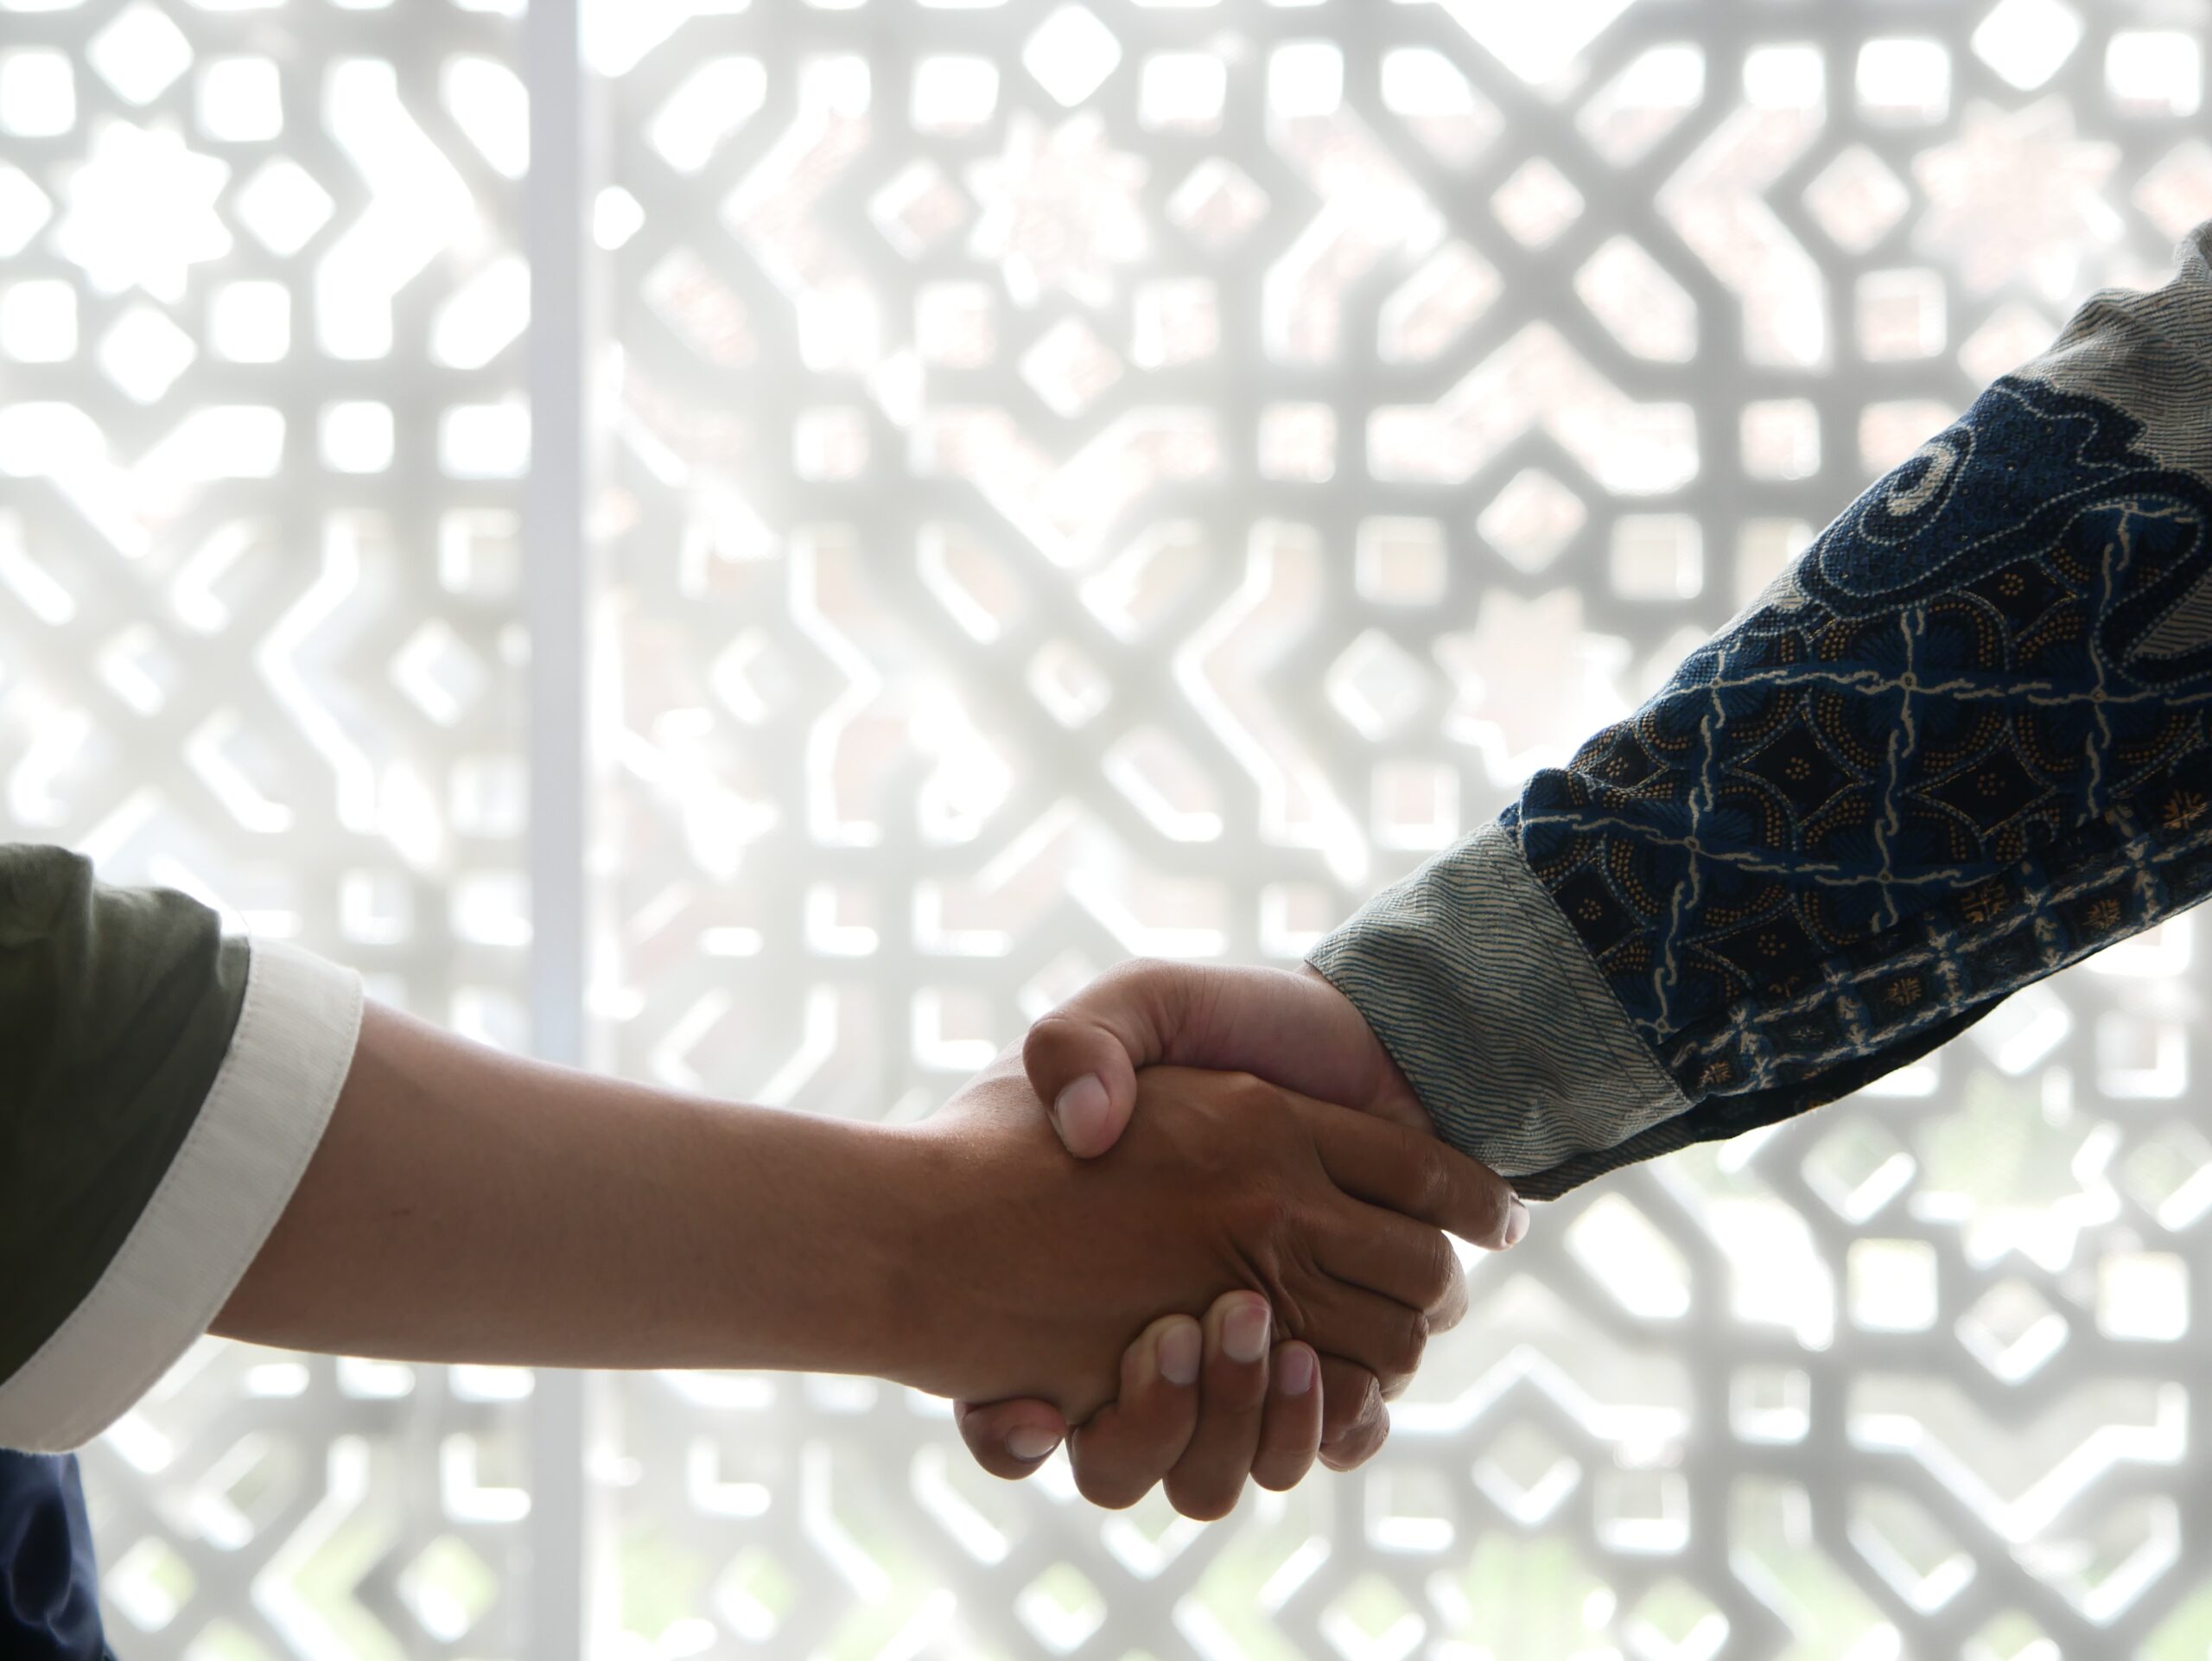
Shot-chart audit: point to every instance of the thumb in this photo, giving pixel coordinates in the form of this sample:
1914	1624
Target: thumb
1010	1439
1081	1060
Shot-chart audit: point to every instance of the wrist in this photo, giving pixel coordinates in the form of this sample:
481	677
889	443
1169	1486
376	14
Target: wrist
816	1277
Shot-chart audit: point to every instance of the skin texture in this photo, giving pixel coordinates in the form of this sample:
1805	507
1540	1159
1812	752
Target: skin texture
469	1206
1290	1026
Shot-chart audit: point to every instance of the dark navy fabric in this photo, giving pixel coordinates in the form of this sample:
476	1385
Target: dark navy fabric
1965	742
50	1584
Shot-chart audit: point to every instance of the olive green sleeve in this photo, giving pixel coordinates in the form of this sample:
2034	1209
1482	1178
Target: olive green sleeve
162	1086
116	1007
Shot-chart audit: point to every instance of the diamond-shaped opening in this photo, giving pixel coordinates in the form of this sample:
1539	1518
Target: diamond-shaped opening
1526	1475
2169	1174
144	352
1061	1606
2025	40
919	208
753	1594
283	206
1531	520
1675	1619
1858	1168
1631	1258
448	1587
1536	203
1218	203
2173	193
1909	1548
1071	54
140	53
1857	199
149	1583
439	672
1069	366
1371	1620
2013	1329
1375	685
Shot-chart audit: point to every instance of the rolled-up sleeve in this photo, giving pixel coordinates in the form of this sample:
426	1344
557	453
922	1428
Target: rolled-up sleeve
1960	744
163	1086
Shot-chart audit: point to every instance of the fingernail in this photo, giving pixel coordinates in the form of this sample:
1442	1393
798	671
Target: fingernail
1179	1353
1029	1443
1244	1334
1080	1111
1295	1371
1516	1220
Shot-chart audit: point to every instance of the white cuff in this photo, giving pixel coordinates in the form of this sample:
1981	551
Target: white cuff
229	1181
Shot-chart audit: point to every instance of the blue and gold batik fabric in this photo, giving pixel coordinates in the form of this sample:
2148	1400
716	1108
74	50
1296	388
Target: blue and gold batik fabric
1960	744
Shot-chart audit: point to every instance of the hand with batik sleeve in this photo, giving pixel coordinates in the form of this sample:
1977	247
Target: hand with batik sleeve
1958	745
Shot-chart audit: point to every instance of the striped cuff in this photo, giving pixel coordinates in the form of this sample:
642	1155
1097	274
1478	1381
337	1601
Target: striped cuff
1480	990
229	1181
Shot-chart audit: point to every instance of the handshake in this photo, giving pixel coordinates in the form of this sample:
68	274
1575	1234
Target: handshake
1240	1265
1251	1151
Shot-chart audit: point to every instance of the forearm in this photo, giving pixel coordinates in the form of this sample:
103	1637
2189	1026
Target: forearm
1961	743
467	1206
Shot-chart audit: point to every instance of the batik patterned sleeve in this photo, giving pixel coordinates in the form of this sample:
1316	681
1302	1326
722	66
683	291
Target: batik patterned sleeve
1959	745
162	1088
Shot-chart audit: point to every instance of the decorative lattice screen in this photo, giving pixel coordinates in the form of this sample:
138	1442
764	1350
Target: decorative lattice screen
1078	479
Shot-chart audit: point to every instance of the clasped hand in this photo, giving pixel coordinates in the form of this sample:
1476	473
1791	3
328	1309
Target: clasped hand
1282	1260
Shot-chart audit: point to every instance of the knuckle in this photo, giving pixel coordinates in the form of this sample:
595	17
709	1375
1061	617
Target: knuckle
1433	1181
1439	1272
1048	1035
1344	1409
1408	1343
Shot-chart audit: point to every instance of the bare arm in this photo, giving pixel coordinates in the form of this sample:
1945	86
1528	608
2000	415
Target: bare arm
465	1205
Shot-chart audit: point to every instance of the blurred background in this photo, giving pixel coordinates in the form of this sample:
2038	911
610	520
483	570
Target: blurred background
757	545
